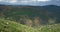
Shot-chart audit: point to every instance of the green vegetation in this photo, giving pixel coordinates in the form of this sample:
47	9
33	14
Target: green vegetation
51	28
45	13
11	26
34	18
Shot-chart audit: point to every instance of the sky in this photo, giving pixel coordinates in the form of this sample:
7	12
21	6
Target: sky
31	2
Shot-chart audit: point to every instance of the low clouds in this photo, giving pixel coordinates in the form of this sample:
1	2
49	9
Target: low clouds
43	0
9	1
31	2
12	1
23	1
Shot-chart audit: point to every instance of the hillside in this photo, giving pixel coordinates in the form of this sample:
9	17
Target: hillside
45	14
11	26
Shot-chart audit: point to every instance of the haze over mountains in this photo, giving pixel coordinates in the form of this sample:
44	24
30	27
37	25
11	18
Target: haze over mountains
31	2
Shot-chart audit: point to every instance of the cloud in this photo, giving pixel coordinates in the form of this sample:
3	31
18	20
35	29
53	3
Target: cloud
23	1
31	2
41	0
0	0
12	1
9	1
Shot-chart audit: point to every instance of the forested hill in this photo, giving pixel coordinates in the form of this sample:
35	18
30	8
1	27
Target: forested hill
44	13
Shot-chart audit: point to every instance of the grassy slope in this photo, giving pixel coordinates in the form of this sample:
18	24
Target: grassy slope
50	28
10	26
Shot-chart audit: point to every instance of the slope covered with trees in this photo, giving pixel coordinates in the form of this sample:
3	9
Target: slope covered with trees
35	14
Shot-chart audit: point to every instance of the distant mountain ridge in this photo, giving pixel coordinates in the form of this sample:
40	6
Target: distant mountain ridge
24	5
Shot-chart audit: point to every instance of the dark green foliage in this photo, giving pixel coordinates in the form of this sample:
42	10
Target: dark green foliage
17	12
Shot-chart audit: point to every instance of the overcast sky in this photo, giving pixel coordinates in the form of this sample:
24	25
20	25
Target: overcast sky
30	2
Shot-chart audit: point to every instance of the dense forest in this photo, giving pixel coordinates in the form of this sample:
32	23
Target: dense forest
31	15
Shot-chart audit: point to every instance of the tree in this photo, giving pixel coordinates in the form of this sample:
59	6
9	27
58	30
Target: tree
36	21
28	22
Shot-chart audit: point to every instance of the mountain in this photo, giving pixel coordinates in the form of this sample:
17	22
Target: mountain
46	14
